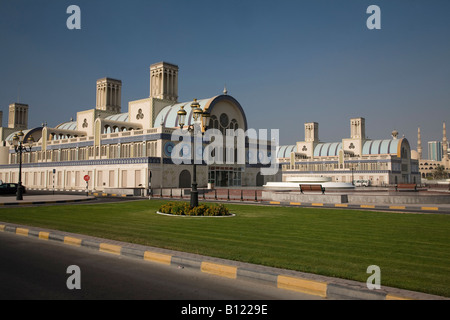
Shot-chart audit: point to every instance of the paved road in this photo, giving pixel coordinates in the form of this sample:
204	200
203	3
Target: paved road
35	269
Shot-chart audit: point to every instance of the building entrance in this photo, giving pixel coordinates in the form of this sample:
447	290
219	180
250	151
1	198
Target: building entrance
225	176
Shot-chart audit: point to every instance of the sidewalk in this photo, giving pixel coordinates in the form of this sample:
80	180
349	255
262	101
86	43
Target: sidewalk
43	199
65	198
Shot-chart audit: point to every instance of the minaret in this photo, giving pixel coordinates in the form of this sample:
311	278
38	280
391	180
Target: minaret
444	143
419	144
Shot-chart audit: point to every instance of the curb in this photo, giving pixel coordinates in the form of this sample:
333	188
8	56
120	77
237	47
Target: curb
399	208
103	194
325	287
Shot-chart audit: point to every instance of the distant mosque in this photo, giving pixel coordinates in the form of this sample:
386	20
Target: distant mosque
438	154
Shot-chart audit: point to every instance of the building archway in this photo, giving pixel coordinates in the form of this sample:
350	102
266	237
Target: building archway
259	180
184	179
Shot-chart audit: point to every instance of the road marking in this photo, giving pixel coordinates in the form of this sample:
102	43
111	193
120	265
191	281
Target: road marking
342	205
367	206
219	269
274	202
295	203
317	204
301	285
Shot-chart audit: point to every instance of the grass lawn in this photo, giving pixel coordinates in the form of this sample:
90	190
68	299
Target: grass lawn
412	250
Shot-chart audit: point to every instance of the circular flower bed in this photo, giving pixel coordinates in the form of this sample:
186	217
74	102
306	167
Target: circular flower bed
184	209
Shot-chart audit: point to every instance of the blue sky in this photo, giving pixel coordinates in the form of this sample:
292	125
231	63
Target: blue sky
287	62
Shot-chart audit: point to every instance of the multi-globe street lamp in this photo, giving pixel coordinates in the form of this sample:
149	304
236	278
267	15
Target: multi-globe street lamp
21	146
201	119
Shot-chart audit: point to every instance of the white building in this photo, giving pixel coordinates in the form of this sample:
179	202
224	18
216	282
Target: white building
123	149
382	162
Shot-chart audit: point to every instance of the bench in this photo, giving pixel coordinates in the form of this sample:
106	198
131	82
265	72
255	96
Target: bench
312	187
406	186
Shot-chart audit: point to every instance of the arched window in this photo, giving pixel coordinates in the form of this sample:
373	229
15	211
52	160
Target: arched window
214	122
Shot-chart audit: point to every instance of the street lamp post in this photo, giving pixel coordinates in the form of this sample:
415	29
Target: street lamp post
21	146
353	180
200	118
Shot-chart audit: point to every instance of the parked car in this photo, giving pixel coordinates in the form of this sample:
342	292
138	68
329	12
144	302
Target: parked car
9	188
362	183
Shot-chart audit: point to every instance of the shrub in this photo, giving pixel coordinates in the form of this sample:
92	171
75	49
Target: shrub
183	208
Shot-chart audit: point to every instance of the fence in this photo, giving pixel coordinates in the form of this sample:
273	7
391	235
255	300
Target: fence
209	194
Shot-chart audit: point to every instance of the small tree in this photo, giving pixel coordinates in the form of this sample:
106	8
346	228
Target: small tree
440	173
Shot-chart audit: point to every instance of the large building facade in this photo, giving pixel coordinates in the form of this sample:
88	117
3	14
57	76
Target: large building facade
118	149
382	162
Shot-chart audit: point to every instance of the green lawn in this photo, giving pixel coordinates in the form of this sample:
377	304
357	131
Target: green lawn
412	250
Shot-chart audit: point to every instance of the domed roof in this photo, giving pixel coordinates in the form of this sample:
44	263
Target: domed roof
10	137
168	115
70	125
123	117
37	132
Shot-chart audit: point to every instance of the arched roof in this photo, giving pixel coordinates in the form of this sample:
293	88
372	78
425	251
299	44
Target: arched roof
10	137
327	149
285	151
168	115
387	146
26	133
70	125
118	117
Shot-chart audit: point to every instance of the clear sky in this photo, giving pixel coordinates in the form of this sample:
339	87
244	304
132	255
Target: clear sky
287	62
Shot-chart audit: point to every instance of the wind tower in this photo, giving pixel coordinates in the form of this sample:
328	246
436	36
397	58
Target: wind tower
109	93
164	81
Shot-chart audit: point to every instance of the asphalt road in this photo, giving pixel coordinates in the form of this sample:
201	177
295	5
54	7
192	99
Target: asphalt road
35	269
